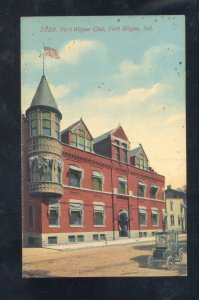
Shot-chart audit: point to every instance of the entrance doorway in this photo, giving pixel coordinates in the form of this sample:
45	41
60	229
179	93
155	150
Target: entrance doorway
123	223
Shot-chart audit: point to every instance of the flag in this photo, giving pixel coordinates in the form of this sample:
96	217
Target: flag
51	52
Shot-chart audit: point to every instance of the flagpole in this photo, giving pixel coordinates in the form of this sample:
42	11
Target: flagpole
43	59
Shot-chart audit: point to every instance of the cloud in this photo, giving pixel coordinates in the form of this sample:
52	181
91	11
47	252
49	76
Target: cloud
73	50
71	53
128	68
176	118
60	91
131	96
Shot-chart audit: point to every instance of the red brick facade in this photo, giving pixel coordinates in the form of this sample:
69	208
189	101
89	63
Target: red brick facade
97	195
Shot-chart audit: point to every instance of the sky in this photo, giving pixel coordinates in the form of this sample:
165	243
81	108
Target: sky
119	69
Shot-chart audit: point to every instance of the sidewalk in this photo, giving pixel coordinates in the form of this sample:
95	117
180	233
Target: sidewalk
95	244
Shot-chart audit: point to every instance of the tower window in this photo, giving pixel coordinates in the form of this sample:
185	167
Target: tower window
46	123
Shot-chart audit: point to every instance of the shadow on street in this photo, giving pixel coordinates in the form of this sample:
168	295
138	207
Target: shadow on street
181	244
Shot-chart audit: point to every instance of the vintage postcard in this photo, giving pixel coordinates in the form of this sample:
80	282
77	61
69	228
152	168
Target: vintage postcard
103	146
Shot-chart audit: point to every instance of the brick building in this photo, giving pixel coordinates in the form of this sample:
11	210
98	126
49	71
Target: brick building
76	188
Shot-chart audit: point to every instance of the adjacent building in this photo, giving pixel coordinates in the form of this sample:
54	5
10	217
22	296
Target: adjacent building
176	209
76	188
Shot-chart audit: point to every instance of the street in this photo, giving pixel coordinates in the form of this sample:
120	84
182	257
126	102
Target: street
127	260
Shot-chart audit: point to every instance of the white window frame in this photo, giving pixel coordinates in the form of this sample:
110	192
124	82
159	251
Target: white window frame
54	206
78	169
99	207
154	210
155	186
145	187
122	179
143	209
80	203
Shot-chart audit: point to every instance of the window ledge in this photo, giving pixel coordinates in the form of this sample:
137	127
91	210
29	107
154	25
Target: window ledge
99	226
53	226
143	225
76	226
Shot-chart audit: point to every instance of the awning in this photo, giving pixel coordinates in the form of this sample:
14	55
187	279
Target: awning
75	168
97	174
122	179
140	183
154	211
75	206
154	187
142	210
99	208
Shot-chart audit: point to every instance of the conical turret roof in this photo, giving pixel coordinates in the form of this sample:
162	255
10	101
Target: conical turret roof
43	97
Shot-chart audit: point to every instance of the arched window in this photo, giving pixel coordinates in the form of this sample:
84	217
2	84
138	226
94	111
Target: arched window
75	176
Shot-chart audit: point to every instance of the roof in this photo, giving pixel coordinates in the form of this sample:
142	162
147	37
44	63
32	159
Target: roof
43	96
71	127
102	137
135	152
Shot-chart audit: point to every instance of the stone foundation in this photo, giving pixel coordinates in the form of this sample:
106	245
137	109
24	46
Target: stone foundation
42	240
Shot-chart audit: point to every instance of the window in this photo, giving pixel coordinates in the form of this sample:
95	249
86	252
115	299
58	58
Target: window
33	123
75	175
46	123
122	186
142	216
144	234
141	189
57	130
31	216
74	140
125	156
52	240
99	214
141	161
97	181
153	191
88	145
179	220
117	153
154	216
47	175
35	173
53	213
33	127
71	239
95	237
172	220
75	212
81	142
102	237
140	234
171	205
80	238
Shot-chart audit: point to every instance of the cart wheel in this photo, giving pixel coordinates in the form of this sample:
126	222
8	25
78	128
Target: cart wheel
180	256
150	262
169	263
